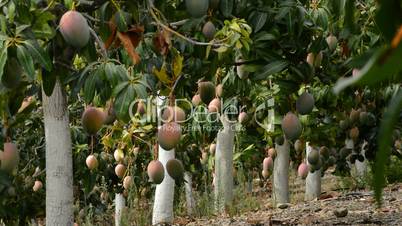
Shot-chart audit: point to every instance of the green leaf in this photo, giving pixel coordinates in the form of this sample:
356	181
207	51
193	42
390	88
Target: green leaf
264	37
90	85
26	61
122	20
177	64
272	68
349	20
162	74
388	17
391	118
89	180
89	52
258	20
3	23
11	12
221	49
21	28
111	73
140	90
123	102
3	37
336	7
39	54
383	66
122	73
82	78
3	59
226	7
68	4
322	18
120	88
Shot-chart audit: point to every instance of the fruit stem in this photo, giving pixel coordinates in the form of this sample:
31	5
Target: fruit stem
155	152
145	142
92	144
6	127
171	99
171	94
100	43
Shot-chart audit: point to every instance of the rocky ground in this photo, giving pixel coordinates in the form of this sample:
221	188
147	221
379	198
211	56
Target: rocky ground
335	207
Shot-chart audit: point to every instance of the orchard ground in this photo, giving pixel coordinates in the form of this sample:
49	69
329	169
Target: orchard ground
336	195
253	205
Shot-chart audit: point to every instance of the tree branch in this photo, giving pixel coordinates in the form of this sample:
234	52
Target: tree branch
66	66
178	23
175	85
194	42
100	43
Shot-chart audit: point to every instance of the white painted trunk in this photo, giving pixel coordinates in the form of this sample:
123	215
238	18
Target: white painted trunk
313	180
280	191
189	193
33	222
120	203
164	193
224	165
59	164
349	144
361	167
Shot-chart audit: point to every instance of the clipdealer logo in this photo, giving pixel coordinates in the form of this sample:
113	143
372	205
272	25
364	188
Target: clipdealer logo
263	116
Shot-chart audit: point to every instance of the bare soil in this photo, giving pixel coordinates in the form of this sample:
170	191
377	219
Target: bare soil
359	204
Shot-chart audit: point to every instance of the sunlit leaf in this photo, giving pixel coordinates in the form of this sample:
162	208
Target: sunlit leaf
162	75
177	65
221	49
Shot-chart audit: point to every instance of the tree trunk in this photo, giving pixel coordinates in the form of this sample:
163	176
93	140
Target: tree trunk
224	165
281	174
164	193
350	144
313	180
59	167
189	193
361	167
33	222
120	203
